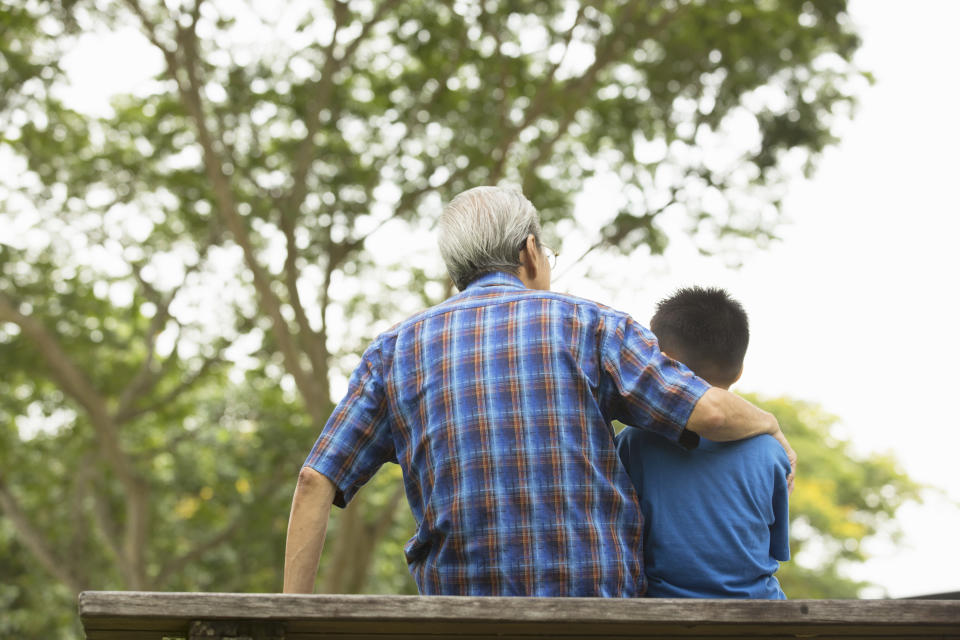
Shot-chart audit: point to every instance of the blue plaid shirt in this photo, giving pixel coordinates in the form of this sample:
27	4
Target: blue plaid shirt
497	404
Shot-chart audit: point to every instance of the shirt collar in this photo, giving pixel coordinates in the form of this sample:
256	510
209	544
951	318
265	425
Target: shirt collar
497	279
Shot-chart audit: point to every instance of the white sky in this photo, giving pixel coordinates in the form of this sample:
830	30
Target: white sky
855	308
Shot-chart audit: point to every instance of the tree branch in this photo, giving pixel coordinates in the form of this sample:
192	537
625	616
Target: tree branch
339	252
606	240
228	209
305	153
72	381
80	490
537	106
184	73
34	541
584	84
186	383
356	539
381	526
314	345
144	379
238	520
106	524
149	27
177	565
195	12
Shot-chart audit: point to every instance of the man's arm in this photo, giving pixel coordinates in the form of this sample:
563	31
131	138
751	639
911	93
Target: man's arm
306	530
721	416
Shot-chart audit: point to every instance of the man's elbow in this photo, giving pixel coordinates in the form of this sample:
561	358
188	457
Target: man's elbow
313	483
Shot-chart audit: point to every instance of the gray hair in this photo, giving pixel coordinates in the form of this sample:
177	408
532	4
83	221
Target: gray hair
482	230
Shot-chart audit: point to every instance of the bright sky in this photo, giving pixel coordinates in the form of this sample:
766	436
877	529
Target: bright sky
855	308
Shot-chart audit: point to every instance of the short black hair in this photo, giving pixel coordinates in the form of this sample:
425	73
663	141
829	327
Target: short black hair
705	329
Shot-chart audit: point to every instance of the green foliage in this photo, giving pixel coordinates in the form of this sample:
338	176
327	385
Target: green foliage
25	592
185	280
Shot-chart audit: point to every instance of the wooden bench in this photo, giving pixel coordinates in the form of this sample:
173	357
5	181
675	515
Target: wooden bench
116	615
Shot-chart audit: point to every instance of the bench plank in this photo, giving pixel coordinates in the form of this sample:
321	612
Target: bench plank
107	615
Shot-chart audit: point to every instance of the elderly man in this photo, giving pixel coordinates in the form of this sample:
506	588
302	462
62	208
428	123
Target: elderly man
497	405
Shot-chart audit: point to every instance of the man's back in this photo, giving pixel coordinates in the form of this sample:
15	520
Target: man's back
496	404
715	518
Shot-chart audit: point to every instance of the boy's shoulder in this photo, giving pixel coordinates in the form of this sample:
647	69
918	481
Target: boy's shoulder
769	446
761	453
632	441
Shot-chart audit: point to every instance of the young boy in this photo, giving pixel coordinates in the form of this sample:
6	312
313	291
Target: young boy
715	517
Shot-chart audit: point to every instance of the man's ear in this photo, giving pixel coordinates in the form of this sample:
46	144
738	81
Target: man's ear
529	261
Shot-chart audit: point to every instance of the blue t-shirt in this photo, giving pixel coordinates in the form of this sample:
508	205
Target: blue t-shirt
715	518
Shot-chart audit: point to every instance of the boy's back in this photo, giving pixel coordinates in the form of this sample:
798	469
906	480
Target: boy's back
715	518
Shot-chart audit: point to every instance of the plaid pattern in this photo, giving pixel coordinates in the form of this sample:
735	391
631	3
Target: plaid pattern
497	405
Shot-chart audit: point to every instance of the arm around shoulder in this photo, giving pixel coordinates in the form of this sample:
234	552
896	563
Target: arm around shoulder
722	416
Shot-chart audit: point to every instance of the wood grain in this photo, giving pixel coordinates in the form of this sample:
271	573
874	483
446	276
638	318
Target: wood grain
108	615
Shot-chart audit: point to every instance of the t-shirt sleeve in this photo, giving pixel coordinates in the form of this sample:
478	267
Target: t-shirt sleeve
780	529
644	388
357	439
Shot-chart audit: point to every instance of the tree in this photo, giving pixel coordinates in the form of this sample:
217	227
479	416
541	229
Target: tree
184	282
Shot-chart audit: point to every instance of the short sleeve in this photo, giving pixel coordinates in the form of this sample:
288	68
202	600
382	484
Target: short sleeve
780	529
357	439
643	387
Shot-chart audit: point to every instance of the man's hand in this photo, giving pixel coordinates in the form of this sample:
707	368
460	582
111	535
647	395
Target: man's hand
307	530
791	455
722	416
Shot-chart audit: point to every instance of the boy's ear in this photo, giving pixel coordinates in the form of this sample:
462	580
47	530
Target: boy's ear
740	373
